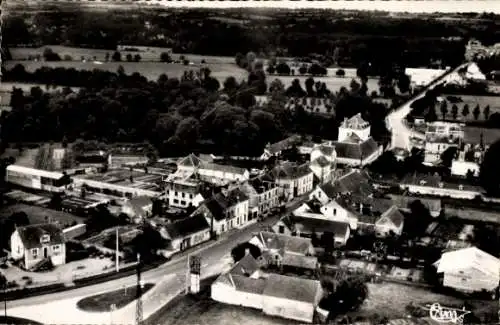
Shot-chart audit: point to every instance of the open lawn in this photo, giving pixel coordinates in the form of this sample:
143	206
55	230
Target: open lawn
76	53
38	214
151	70
473	135
390	300
120	298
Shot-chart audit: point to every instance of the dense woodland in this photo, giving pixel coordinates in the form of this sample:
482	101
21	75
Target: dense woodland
180	115
346	38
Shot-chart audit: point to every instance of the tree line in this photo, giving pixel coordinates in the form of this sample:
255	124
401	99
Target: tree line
374	39
177	116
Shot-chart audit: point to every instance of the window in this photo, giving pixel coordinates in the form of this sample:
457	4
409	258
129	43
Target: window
183	202
191	196
56	247
281	229
168	192
334	212
176	201
176	193
34	252
183	195
45	239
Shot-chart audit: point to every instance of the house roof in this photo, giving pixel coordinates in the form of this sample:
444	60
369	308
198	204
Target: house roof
292	288
403	202
321	161
289	170
283	144
356	150
246	266
469	257
250	285
190	161
186	227
394	215
31	235
310	225
355	122
35	172
141	201
329	189
293	244
300	261
223	168
262	183
325	149
355	181
220	202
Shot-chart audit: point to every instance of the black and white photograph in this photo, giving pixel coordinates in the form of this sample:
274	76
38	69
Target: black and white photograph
250	162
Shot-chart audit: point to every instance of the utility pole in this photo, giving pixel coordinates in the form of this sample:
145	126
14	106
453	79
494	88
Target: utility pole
138	307
116	251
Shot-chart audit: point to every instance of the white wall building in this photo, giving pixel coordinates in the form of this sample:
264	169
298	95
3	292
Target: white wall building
36	178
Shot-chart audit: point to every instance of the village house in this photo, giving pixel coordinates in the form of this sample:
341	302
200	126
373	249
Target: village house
324	193
423	184
263	195
355	146
294	180
276	149
404	203
184	192
194	167
186	233
440	136
301	226
469	270
35	245
285	251
468	160
138	208
276	295
225	210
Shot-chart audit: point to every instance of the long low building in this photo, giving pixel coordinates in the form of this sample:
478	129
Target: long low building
36	178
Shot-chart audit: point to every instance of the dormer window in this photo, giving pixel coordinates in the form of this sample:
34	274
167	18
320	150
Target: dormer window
44	239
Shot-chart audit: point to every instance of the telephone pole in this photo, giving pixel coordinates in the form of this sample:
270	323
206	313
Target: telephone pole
117	259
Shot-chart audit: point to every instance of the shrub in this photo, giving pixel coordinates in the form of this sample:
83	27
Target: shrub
340	73
68	57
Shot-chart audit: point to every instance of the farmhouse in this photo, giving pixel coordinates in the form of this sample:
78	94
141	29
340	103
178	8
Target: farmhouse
355	146
277	295
469	270
35	245
186	233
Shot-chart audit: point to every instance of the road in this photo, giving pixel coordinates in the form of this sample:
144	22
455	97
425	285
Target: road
401	133
169	279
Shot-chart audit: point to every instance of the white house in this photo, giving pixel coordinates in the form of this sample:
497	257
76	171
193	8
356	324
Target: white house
390	222
334	211
277	295
294	180
440	136
322	169
225	210
36	244
326	150
469	270
355	146
183	193
186	233
462	168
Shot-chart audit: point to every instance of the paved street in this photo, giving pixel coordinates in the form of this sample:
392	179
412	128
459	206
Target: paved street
396	119
169	279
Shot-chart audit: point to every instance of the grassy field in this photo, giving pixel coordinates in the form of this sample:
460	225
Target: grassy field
472	101
473	135
38	214
151	70
120	298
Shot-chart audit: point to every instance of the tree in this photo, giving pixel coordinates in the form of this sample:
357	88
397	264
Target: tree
431	115
348	296
465	111
486	112
404	83
129	57
489	173
137	58
476	112
148	243
239	251
303	69
106	57
355	86
117	56
283	69
454	111
271	69
50	55
309	87
340	73
165	57
448	155
444	109
328	242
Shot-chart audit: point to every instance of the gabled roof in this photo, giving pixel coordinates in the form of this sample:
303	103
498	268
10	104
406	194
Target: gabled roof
220	202
223	168
300	261
469	257
310	225
393	215
356	122
353	138
246	266
354	182
283	144
31	235
190	161
290	170
325	149
356	150
186	227
262	183
321	161
328	189
293	244
292	288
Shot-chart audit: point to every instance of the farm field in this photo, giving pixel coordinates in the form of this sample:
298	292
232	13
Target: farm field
76	53
473	135
38	214
472	102
151	70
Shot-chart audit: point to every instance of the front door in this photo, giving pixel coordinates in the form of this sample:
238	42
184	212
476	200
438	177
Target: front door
45	252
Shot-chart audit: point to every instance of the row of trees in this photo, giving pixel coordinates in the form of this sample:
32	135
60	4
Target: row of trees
283	68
